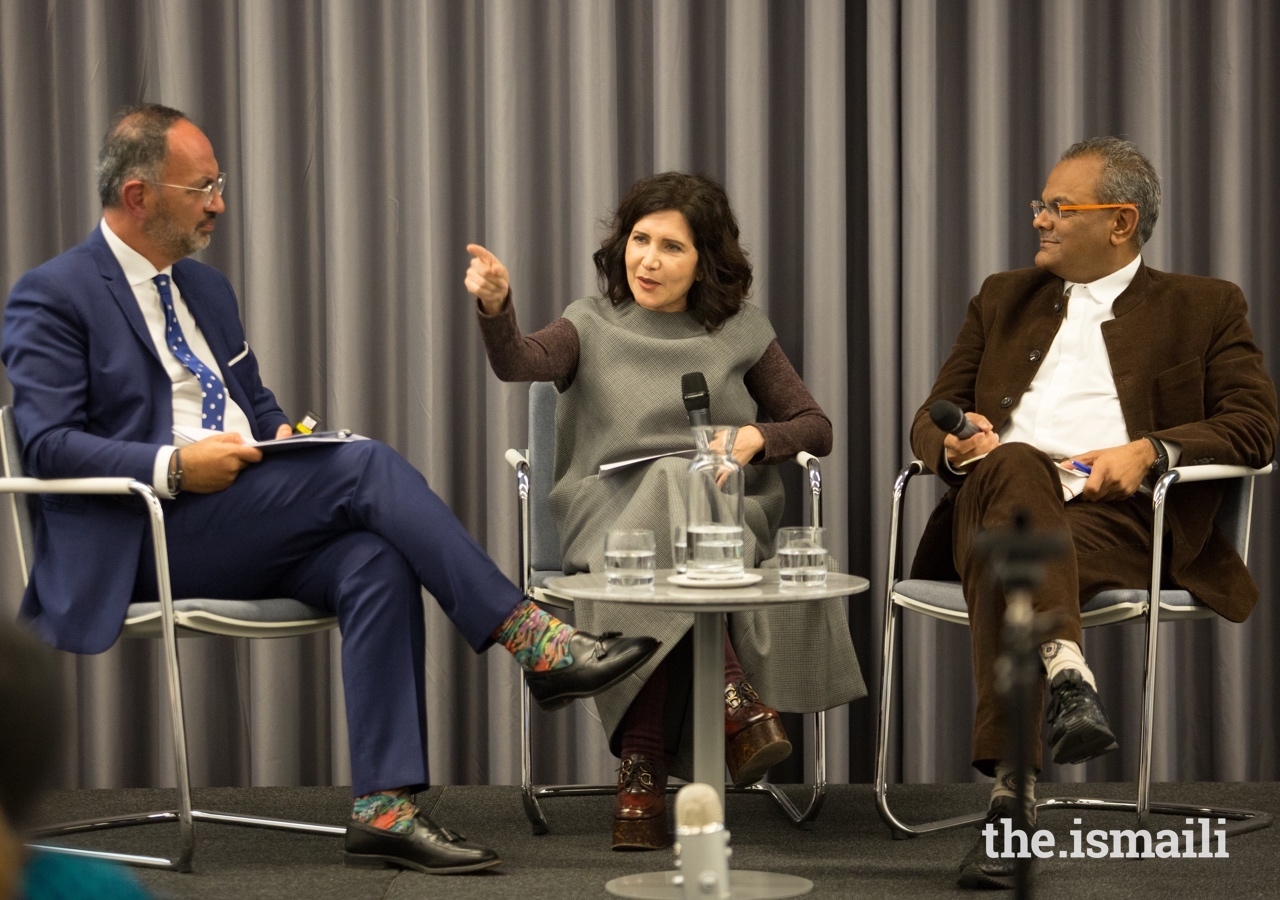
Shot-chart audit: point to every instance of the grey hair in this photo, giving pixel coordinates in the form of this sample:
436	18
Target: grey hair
1127	177
136	146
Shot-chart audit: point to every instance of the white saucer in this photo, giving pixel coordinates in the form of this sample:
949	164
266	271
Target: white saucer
740	581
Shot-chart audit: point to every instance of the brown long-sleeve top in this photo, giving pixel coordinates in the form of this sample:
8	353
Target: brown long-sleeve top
551	354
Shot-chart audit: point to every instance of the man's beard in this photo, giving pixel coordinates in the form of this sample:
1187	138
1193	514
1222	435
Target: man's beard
169	236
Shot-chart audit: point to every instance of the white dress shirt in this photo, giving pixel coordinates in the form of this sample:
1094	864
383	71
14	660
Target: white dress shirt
187	396
1072	406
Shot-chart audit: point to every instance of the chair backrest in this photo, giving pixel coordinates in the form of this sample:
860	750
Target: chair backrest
21	505
544	540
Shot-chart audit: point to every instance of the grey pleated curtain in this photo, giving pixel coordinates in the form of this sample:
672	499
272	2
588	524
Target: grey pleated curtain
880	155
969	105
366	143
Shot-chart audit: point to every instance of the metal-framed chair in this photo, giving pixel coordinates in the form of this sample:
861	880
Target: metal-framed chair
166	619
945	601
539	560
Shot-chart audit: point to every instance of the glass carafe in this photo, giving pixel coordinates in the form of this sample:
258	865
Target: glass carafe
714	506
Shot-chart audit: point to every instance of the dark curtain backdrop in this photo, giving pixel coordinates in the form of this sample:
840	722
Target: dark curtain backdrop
879	154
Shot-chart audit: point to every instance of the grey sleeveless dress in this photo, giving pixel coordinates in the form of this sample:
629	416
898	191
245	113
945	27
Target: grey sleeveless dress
625	402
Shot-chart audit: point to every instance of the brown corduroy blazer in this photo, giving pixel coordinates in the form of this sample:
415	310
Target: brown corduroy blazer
1186	369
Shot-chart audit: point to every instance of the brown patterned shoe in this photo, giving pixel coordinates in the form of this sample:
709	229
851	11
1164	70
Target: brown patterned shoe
754	738
640	807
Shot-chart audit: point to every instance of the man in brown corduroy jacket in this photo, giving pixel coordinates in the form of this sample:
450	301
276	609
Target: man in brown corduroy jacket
1087	377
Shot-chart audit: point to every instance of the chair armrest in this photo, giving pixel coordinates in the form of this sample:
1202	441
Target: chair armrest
1213	473
524	541
813	467
67	485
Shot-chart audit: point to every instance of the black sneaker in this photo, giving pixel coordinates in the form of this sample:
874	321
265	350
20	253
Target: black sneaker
984	871
1078	729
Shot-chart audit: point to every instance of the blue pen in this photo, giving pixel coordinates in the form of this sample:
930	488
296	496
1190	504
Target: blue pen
1082	467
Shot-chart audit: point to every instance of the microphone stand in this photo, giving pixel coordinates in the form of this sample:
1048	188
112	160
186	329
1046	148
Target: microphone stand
1015	561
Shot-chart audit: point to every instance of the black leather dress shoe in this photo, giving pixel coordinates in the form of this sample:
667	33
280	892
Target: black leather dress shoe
1078	728
428	848
598	662
985	867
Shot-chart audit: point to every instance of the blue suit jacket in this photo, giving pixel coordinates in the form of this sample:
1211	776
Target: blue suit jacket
91	398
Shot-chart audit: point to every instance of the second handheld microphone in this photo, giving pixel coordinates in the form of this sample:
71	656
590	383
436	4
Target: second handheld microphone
951	419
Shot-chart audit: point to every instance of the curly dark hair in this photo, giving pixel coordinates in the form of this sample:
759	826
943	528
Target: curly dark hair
724	272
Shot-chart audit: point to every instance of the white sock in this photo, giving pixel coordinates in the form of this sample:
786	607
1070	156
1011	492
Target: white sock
1007	786
1060	655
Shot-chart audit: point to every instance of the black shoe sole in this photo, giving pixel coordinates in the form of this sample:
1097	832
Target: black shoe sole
1083	745
371	861
973	877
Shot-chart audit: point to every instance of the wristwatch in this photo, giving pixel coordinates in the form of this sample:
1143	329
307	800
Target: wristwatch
175	473
1161	465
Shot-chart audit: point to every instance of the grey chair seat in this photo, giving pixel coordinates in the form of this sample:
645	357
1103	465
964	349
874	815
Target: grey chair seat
198	616
945	600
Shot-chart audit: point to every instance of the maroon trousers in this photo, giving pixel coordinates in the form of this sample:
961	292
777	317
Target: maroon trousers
1111	549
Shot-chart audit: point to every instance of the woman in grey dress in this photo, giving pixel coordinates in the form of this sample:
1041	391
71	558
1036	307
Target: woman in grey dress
674	282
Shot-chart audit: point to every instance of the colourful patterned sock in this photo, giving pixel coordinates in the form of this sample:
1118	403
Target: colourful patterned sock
388	810
538	640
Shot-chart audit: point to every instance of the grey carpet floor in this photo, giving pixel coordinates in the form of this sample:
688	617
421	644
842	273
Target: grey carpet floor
849	853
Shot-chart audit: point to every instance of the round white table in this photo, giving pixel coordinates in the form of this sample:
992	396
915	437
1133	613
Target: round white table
708	604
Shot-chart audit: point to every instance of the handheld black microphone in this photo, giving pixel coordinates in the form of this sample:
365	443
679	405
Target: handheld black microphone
697	399
951	419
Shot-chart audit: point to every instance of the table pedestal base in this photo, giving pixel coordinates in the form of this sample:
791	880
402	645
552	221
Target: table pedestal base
742	886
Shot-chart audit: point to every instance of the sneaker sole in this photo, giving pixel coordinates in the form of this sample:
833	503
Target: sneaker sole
973	877
1083	745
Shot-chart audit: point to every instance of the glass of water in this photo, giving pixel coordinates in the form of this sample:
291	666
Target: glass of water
629	558
679	548
802	557
715	552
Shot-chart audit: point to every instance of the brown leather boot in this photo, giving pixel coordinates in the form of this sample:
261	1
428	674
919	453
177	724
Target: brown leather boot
754	738
640	807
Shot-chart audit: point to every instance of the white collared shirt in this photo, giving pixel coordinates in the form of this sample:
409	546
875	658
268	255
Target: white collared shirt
187	395
1072	406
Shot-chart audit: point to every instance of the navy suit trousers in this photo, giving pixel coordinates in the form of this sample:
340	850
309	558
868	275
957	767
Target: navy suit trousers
355	530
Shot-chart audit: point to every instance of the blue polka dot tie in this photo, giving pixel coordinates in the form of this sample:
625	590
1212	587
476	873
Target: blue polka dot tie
211	388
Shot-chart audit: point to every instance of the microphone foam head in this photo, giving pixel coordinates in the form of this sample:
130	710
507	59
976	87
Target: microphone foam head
697	807
947	416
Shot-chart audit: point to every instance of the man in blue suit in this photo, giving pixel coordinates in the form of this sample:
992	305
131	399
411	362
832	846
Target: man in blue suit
112	345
